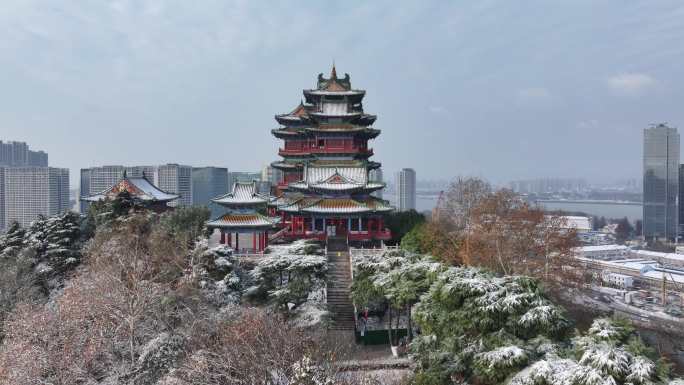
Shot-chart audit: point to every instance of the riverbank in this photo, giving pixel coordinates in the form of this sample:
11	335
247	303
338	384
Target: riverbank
608	209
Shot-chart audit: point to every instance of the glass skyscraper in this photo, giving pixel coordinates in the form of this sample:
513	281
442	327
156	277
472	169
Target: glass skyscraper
661	183
209	183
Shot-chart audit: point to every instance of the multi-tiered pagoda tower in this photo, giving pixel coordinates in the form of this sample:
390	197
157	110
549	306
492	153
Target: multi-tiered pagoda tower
325	188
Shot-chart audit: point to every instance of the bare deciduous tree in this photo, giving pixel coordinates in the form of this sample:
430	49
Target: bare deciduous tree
454	214
257	348
135	265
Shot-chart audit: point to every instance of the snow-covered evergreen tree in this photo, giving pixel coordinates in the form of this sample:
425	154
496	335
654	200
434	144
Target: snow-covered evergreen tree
394	280
288	279
609	353
477	327
12	241
56	244
53	245
483	326
219	274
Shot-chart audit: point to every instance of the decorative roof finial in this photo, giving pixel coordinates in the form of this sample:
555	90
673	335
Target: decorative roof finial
333	73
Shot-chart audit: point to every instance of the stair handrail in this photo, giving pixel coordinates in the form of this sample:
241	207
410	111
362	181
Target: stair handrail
351	274
279	233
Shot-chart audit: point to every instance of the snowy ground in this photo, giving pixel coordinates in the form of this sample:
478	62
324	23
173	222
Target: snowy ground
387	376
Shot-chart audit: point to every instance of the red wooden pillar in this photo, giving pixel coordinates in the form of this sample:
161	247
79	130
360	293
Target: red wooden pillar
265	239
223	237
254	239
229	240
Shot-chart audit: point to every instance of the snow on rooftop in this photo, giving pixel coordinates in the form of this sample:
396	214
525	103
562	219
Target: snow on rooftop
577	222
138	187
658	275
657	254
243	193
602	248
647	268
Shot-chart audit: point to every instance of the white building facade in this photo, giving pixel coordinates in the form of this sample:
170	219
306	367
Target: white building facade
176	179
406	189
29	192
620	281
603	252
3	224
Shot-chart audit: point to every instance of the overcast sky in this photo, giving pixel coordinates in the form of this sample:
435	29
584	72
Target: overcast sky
499	89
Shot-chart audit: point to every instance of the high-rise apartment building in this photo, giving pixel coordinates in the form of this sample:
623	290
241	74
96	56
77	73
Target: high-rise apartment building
28	187
3	224
176	179
406	189
17	154
33	191
150	172
661	183
209	183
37	158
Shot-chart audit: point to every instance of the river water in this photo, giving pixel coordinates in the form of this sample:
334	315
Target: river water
633	212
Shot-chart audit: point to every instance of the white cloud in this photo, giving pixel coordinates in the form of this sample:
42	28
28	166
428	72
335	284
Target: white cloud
630	83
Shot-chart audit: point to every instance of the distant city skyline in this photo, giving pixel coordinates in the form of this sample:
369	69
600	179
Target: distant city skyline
427	183
19	154
485	89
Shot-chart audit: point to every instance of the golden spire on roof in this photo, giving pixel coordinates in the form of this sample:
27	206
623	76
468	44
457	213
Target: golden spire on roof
333	73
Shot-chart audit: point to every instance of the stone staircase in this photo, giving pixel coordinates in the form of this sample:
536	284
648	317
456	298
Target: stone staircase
339	285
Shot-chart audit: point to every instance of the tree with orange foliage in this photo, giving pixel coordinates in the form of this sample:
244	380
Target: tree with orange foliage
513	237
476	226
